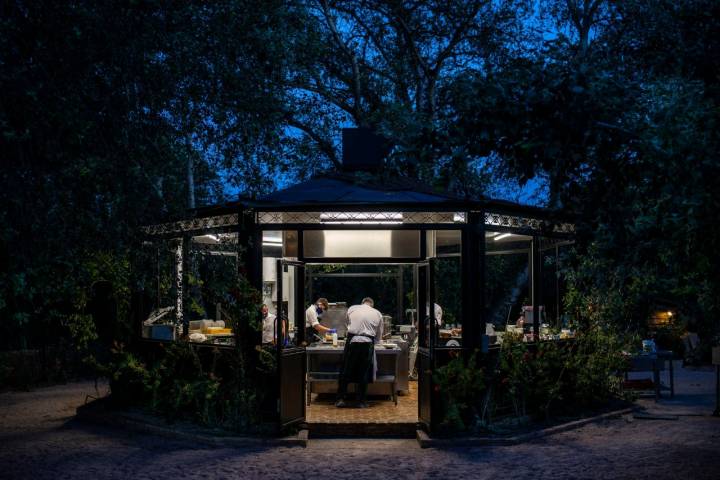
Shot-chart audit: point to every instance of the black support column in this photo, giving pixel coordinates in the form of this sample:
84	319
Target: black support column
536	258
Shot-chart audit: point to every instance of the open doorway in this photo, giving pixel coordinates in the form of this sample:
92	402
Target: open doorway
393	396
414	278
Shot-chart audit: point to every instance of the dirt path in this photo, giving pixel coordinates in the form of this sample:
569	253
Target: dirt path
40	439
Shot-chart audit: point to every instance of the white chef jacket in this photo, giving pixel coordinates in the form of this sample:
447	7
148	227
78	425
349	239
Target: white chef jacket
438	314
365	320
269	331
311	316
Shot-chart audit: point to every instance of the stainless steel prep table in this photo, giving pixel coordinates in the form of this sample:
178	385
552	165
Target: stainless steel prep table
323	368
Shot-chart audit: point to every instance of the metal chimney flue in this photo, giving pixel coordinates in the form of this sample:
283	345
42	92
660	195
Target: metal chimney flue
363	150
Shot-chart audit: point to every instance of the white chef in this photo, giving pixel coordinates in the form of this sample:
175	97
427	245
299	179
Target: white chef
365	329
312	324
269	326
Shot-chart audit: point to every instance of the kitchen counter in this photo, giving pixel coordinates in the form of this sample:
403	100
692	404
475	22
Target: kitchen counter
327	348
324	362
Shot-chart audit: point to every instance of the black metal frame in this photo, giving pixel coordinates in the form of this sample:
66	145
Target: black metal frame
426	346
295	352
505	217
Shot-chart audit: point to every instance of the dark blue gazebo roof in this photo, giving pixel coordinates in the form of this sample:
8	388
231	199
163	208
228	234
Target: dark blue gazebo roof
342	189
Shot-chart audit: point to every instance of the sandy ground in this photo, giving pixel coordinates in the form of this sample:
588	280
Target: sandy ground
39	438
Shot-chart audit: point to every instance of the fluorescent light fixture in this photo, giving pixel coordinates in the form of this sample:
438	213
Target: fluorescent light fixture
492	234
272	238
272	241
212	237
354	218
504	235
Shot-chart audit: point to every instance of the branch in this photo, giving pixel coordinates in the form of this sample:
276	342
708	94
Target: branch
325	93
325	146
456	38
351	55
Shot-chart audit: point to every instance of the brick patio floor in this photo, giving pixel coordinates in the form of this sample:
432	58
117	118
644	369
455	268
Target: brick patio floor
322	409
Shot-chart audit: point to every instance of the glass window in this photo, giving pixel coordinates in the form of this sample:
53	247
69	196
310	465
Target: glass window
444	249
276	245
508	281
210	281
163	317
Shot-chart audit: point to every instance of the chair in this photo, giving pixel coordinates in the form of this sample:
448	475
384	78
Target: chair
691	342
392	381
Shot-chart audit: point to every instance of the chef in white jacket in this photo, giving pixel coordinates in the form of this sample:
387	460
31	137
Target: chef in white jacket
365	329
269	327
312	323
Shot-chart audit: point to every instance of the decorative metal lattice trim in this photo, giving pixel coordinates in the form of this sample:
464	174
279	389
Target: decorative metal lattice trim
214	247
378	218
526	223
190	225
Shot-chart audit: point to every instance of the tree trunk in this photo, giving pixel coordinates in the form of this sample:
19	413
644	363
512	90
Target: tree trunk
190	176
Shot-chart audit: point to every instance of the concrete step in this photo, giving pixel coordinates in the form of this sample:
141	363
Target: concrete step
396	430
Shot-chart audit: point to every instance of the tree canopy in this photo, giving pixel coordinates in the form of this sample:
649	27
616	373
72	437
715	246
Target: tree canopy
118	114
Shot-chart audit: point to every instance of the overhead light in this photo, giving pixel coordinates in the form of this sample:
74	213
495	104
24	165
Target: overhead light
459	217
504	235
354	218
491	234
272	241
212	237
670	314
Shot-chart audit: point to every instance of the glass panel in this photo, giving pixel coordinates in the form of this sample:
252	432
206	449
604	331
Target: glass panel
289	325
211	279
553	284
361	243
507	282
422	279
346	285
163	318
443	242
277	244
448	301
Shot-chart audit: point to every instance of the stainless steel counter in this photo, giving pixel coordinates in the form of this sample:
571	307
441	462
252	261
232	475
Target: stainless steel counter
324	362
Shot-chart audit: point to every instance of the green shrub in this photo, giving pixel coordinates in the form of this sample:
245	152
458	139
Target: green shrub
460	384
129	379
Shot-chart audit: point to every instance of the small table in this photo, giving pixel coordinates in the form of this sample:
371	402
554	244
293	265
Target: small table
654	362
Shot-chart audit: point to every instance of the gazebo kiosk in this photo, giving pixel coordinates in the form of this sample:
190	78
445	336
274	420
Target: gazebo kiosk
350	218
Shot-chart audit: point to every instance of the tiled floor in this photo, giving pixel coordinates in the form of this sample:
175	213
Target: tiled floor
382	410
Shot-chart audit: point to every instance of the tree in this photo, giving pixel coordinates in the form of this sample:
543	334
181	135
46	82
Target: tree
385	65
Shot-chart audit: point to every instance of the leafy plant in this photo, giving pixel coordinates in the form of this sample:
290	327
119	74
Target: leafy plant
460	384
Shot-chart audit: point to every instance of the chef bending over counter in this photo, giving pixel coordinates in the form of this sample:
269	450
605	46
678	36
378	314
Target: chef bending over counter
365	329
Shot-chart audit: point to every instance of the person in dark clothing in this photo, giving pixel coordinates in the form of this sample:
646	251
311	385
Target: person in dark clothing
364	331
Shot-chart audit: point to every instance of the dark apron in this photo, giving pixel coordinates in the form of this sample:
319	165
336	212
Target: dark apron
310	335
358	361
